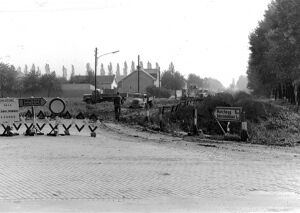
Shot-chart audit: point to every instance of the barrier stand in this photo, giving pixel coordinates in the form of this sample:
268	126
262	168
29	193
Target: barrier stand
92	129
8	130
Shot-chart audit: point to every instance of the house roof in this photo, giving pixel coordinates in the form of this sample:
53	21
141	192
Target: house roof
147	74
106	79
119	78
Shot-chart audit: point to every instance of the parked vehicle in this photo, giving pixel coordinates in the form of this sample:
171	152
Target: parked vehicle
101	97
137	103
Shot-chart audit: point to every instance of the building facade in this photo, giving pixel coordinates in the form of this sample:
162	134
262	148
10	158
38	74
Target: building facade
136	82
106	82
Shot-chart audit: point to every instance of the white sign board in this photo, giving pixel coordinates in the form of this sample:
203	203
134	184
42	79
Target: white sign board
228	113
9	110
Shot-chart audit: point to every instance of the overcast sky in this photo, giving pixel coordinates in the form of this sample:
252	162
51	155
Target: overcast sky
205	37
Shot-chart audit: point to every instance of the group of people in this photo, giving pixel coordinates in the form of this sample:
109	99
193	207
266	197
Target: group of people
118	101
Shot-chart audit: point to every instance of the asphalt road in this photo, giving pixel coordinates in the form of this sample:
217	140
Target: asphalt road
123	170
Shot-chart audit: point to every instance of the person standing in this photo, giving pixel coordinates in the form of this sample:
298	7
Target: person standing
117	104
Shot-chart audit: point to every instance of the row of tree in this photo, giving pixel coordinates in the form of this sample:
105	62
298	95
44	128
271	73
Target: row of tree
274	64
31	83
13	83
90	71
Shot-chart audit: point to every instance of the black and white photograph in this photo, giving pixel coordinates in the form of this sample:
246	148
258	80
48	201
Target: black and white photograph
150	106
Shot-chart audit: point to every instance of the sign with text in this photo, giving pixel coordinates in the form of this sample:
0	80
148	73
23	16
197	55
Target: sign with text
24	102
228	113
9	110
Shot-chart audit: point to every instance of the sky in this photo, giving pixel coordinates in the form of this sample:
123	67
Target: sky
205	37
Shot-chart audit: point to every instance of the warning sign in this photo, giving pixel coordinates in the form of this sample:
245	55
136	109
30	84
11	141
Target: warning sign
228	113
9	110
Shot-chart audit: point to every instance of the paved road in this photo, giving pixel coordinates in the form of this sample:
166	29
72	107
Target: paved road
119	173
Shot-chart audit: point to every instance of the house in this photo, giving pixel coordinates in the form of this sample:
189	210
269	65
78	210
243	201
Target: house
76	90
119	78
106	82
130	83
155	73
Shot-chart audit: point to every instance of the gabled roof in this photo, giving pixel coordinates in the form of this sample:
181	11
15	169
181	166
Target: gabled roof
119	77
135	72
106	79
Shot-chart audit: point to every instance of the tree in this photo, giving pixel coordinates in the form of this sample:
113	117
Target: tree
242	83
47	69
33	68
65	72
149	65
132	67
171	67
213	84
8	75
31	81
102	71
125	68
141	65
172	80
19	70
157	66
110	69
194	79
26	69
90	74
18	86
50	83
274	58
118	70
72	74
232	85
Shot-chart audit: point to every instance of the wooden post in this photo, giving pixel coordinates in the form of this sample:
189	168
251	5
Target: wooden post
147	113
195	125
161	112
244	128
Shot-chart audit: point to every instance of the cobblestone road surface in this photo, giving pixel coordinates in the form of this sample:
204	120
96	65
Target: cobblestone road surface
124	173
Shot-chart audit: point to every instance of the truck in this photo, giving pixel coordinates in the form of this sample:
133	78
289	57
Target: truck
99	97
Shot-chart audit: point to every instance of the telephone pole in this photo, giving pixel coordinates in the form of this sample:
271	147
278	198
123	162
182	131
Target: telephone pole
138	69
96	61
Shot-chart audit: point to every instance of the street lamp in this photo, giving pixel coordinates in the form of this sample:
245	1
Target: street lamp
96	61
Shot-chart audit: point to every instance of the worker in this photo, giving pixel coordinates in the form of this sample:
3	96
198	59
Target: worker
117	104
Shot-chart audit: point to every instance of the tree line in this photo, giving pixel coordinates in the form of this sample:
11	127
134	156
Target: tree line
273	66
30	83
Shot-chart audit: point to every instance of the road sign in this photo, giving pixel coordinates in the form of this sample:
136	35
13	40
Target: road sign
57	106
24	102
228	113
9	110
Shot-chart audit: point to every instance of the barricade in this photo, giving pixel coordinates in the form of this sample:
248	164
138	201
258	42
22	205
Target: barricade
63	122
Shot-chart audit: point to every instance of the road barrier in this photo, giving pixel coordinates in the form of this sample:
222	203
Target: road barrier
64	121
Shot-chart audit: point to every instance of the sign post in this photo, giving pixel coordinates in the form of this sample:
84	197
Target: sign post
228	114
32	102
231	114
9	110
26	102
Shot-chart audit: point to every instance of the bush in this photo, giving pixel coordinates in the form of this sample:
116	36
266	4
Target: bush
255	111
241	95
158	92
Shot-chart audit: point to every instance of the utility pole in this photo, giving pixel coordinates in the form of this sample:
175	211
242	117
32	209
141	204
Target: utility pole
96	60
138	69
